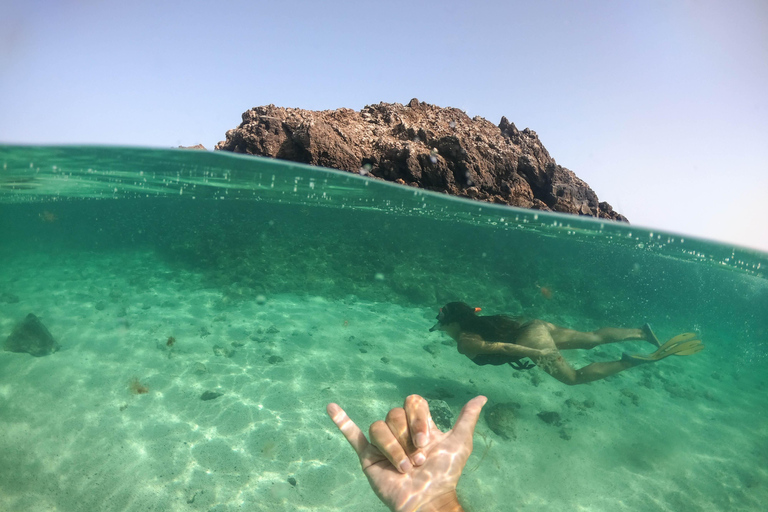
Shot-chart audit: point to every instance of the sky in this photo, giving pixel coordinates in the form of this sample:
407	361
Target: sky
660	106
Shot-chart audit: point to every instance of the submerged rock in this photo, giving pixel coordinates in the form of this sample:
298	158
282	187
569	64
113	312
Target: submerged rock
425	146
501	419
550	417
210	395
223	351
31	336
631	395
441	413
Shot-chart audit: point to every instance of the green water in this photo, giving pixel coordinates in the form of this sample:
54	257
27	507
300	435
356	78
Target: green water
324	285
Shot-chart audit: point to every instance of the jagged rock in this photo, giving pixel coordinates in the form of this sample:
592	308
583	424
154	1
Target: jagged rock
196	146
31	336
421	145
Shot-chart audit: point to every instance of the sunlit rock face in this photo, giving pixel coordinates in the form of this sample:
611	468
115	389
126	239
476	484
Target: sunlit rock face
425	146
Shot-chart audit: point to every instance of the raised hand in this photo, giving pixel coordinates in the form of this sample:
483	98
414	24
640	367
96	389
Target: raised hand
410	464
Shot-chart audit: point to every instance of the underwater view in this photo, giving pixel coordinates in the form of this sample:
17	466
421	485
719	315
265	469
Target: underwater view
202	309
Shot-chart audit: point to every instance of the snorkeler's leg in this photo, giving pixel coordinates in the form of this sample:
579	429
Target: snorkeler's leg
597	371
557	367
567	339
560	369
539	335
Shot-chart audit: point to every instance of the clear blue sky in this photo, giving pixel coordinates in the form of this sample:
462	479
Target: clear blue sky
661	106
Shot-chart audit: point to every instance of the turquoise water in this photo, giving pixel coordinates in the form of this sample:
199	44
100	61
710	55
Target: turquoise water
287	287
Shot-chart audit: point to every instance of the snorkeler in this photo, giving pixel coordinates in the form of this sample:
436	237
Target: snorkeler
501	339
410	464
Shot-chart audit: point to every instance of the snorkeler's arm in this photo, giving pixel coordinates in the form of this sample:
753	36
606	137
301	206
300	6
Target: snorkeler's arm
472	345
510	349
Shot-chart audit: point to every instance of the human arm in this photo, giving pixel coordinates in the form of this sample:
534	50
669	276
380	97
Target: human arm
473	345
410	464
510	349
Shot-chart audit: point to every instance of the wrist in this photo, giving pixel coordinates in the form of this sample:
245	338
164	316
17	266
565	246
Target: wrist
448	502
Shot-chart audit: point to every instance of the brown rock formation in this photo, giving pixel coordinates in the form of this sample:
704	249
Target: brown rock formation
422	145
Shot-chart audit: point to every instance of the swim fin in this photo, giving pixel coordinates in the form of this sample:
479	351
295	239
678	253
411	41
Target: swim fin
650	336
684	344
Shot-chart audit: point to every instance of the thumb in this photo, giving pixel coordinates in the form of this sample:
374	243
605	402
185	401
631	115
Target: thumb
465	425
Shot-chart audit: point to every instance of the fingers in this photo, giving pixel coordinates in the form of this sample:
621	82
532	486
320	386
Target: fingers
389	443
418	416
347	427
396	436
406	431
465	425
397	422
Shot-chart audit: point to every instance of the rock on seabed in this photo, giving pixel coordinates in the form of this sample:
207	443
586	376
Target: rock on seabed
31	336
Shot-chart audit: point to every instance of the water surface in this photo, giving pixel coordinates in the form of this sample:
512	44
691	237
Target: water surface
286	287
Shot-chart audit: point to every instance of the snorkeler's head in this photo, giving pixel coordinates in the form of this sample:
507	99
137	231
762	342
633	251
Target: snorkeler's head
454	312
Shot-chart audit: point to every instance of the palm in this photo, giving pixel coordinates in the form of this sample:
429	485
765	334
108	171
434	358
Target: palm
431	482
408	491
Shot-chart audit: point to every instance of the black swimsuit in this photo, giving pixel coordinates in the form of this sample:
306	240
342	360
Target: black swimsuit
494	359
501	359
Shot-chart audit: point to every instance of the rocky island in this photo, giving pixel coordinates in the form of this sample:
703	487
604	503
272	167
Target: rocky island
425	146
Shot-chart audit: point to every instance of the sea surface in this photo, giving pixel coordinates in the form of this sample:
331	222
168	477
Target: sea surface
169	277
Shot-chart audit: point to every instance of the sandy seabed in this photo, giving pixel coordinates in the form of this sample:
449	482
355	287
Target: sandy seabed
688	436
